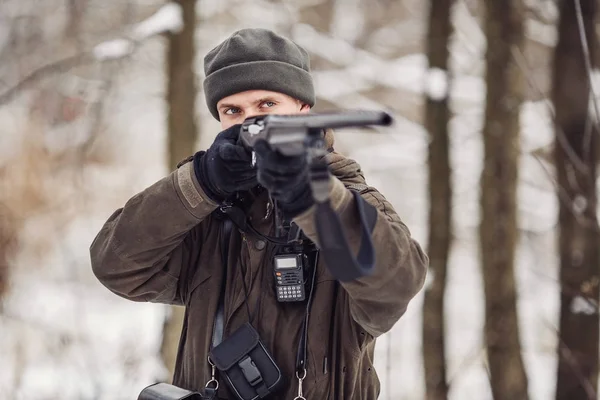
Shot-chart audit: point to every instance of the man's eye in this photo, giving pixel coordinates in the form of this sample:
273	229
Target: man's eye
269	104
232	110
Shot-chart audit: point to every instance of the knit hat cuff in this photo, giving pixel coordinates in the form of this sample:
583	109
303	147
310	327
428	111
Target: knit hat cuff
275	76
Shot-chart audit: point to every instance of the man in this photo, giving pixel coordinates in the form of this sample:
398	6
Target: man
164	244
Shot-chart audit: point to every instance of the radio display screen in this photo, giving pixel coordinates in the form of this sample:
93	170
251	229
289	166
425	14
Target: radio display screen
286	263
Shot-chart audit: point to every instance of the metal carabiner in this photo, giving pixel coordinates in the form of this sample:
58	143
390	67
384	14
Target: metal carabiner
300	380
216	382
213	371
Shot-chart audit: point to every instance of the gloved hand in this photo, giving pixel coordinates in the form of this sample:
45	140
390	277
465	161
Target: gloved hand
226	167
285	177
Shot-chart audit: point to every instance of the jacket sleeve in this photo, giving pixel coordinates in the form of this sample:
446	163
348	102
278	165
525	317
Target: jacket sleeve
379	300
144	249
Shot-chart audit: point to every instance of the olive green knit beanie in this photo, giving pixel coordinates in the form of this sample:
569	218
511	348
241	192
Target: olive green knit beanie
257	59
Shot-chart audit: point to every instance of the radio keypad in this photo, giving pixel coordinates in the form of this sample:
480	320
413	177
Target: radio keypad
294	292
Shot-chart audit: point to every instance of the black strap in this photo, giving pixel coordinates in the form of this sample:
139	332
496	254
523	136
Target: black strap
239	218
303	342
332	237
209	393
246	297
329	362
218	326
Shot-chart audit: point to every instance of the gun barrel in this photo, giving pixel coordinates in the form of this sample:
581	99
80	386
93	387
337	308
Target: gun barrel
287	132
329	120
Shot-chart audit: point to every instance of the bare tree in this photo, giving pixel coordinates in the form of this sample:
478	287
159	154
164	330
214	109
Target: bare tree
7	242
437	116
76	11
379	14
181	98
319	15
498	226
576	160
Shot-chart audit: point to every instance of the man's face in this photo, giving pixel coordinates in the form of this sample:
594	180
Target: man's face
236	108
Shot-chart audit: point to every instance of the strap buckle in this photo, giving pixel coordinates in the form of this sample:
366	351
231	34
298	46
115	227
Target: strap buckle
251	373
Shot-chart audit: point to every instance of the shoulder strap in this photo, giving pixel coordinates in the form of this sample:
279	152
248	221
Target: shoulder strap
334	245
303	342
218	326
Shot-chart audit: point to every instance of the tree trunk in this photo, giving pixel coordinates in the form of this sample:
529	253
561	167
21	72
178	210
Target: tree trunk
181	97
440	206
76	10
498	227
7	241
378	14
575	160
319	15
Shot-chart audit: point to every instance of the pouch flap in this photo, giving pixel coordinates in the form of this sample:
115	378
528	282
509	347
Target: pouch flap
235	347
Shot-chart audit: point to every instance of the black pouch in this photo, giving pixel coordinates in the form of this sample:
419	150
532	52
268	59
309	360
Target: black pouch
246	365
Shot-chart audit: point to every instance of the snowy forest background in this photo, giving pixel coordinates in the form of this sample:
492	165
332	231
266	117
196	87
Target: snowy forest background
96	103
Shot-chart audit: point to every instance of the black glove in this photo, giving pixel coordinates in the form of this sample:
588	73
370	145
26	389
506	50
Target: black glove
285	177
226	167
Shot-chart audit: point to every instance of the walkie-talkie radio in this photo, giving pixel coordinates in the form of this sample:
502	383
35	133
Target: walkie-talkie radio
289	277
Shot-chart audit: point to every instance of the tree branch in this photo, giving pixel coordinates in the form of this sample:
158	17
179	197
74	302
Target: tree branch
55	67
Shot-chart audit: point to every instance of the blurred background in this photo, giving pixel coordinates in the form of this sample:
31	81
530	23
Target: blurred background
491	163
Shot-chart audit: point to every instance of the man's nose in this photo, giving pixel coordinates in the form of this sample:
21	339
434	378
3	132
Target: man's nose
251	114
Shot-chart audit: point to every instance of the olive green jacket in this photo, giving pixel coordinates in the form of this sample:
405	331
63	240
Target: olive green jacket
163	246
